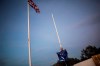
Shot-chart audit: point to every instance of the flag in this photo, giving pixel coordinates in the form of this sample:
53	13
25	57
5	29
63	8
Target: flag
33	5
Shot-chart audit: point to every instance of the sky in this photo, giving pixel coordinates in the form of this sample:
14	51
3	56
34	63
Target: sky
78	24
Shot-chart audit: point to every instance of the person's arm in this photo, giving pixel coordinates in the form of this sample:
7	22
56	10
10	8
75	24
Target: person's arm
58	54
65	54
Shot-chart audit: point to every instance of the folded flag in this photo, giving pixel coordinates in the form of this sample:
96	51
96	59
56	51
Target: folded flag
33	5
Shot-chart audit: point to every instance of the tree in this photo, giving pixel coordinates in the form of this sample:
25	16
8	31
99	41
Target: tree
71	62
88	52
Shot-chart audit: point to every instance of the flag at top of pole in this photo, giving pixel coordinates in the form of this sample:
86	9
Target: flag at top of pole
33	5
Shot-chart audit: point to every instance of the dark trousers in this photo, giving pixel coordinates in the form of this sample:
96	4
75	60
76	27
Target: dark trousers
62	63
67	62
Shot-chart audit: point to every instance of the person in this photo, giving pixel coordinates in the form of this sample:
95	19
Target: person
63	57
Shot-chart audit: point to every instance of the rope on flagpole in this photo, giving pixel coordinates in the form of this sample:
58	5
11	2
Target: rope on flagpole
56	31
29	48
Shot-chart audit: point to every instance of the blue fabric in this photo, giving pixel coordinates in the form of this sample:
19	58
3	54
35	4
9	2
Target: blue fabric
62	55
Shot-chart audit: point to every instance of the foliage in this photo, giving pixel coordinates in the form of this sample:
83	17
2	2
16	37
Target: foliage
88	52
70	62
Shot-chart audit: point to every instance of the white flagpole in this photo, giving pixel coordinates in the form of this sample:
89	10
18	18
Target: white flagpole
29	48
57	32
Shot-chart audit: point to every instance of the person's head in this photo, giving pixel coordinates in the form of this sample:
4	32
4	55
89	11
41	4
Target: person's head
61	48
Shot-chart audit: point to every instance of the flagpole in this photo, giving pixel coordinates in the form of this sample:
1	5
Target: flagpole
57	32
29	47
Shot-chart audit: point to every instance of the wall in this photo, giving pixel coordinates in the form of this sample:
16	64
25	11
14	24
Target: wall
88	62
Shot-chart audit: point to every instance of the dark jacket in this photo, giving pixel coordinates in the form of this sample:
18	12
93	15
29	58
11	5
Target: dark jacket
62	55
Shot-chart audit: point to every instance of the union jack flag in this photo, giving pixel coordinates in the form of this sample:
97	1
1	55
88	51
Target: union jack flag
33	5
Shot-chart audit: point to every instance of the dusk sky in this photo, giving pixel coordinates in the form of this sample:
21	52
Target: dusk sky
78	23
